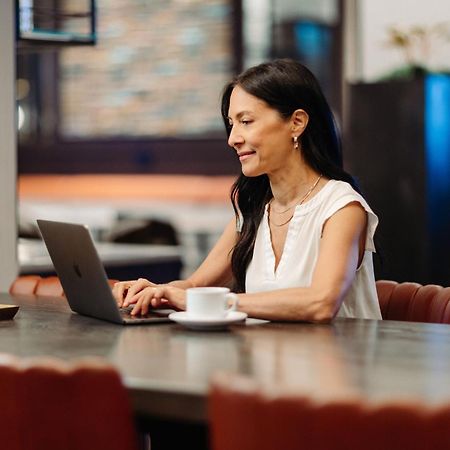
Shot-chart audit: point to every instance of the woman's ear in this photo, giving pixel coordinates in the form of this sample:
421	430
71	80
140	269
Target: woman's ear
299	120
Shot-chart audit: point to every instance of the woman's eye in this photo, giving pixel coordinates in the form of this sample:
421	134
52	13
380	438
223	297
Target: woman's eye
246	122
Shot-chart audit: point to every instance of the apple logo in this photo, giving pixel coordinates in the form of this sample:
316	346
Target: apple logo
77	270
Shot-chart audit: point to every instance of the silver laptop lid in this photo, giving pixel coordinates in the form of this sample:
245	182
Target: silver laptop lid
83	276
80	270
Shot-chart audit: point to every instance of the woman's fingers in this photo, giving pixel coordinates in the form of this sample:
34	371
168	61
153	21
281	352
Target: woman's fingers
143	301
154	296
136	287
123	291
120	290
150	297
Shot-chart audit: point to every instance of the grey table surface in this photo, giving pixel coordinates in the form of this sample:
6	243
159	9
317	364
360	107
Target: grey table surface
167	369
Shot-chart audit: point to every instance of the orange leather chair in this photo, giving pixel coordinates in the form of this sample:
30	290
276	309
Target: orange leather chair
413	302
50	287
24	285
243	416
37	285
49	404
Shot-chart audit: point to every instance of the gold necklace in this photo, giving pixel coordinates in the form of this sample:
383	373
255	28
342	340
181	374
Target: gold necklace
280	224
295	204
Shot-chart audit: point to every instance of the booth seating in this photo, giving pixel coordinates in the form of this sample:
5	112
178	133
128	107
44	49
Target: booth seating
245	416
24	285
48	404
37	285
414	302
50	286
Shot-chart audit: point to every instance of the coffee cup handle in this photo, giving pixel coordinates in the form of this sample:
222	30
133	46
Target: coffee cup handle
234	302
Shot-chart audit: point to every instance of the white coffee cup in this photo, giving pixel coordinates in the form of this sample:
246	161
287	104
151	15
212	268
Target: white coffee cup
210	302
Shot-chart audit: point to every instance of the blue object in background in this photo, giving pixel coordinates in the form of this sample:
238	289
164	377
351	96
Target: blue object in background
313	40
437	160
313	45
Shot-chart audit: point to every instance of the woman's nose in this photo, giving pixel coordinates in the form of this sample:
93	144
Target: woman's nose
235	138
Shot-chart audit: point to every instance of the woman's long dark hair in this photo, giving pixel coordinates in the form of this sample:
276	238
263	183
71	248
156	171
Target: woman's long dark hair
285	85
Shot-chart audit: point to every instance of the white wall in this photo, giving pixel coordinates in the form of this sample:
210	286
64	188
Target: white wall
375	16
8	169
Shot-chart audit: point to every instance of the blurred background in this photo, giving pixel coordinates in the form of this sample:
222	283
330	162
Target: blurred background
117	122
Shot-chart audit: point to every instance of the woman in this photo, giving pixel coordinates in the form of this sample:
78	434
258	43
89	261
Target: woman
300	247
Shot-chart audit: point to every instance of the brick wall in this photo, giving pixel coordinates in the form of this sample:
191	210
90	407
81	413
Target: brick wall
158	70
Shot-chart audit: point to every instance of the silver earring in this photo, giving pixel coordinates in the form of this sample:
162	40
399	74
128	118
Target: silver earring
296	142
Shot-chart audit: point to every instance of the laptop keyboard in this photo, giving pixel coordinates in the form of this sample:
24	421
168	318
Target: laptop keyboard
126	313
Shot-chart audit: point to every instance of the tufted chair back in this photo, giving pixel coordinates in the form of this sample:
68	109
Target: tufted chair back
413	302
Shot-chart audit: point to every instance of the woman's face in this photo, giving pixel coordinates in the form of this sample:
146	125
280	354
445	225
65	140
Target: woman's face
261	137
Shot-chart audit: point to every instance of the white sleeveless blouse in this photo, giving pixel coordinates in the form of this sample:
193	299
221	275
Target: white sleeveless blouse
301	251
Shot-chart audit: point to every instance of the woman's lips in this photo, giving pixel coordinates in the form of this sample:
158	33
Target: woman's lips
245	155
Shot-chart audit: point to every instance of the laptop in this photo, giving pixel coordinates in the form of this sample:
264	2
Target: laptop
83	276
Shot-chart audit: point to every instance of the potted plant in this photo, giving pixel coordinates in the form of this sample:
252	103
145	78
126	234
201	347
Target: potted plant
416	43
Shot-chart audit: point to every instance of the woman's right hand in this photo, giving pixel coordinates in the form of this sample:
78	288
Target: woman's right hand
124	291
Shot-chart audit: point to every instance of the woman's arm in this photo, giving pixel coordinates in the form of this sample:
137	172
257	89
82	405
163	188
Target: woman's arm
341	251
216	268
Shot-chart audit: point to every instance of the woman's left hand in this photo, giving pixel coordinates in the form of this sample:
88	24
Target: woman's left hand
157	296
124	290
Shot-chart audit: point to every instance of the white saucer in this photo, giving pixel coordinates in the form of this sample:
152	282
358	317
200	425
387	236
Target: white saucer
183	318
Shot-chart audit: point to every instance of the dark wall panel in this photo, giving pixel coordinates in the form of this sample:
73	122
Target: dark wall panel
385	150
170	156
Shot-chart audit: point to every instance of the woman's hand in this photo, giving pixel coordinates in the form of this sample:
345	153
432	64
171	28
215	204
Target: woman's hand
155	296
123	291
